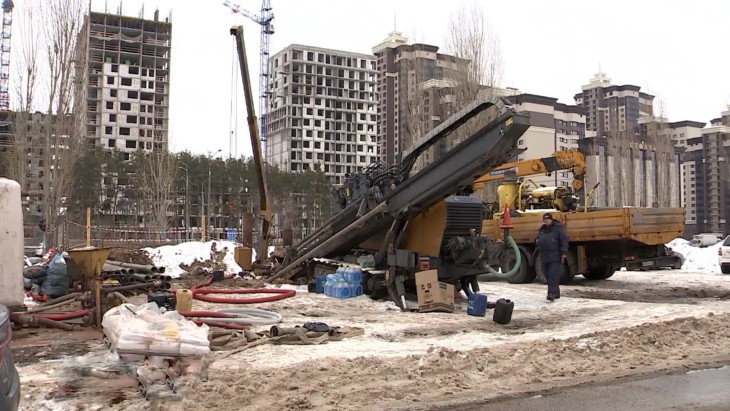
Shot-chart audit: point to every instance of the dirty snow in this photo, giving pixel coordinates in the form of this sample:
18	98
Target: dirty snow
392	337
171	256
695	258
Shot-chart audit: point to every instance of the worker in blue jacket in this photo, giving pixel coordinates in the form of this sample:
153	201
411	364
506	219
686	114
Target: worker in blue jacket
552	243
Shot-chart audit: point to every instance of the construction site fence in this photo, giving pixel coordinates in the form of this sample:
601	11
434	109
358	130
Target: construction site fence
77	235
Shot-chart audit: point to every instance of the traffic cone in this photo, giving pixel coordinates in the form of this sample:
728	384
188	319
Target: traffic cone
506	220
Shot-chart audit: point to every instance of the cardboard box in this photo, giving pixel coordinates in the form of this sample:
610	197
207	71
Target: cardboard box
433	295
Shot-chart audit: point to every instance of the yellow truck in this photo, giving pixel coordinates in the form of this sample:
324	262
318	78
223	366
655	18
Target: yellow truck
601	239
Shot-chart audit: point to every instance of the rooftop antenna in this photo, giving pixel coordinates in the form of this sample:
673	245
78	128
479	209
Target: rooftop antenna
141	12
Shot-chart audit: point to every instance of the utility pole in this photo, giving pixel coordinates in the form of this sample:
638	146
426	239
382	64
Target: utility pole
187	200
209	219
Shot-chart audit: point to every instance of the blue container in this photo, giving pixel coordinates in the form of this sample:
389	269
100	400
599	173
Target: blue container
342	290
353	276
477	305
320	281
355	290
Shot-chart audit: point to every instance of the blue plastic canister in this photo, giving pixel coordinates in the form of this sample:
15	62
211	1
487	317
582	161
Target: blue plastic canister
320	281
477	305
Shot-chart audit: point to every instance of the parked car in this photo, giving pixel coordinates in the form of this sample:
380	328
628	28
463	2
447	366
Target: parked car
723	256
670	259
705	240
9	378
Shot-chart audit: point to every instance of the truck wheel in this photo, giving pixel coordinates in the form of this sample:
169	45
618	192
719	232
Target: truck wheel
525	274
601	272
725	268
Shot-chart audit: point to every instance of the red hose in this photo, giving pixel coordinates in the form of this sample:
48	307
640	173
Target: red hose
200	292
65	316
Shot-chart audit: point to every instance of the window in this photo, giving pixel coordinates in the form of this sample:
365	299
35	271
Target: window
112	117
132	94
131	144
110	80
108	130
126	81
125	106
131	119
124	131
133	70
110	105
113	93
115	68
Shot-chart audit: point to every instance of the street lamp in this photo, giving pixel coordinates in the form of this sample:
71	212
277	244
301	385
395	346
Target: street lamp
210	162
184	166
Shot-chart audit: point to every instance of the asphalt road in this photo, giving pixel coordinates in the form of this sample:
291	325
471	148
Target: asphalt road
705	390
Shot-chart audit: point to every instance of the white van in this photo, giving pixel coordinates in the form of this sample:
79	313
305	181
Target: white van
705	239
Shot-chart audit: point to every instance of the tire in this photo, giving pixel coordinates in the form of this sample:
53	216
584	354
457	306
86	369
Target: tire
677	264
725	268
601	272
525	274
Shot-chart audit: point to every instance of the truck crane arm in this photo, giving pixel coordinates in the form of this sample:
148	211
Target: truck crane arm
560	160
264	207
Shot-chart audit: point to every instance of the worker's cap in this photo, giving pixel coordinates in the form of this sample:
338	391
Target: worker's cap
547	216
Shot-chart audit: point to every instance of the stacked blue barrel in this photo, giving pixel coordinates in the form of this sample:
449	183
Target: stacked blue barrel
346	282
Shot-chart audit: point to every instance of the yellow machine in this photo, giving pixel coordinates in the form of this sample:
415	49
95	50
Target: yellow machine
560	160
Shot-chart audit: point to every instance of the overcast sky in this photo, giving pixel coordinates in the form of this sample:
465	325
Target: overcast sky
674	49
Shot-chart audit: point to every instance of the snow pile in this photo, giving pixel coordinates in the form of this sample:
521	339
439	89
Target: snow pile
171	256
695	258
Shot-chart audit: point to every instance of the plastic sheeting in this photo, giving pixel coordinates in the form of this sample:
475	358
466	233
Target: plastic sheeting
144	329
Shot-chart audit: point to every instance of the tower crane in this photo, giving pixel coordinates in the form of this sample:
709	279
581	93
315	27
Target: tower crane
5	55
266	21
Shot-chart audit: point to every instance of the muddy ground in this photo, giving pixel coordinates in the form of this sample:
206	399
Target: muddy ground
632	323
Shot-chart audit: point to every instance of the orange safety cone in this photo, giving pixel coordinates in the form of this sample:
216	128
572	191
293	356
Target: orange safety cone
506	220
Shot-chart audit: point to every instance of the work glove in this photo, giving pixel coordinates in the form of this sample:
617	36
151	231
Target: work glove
563	258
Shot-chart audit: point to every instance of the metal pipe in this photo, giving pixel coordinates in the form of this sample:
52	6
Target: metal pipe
51	307
132	287
60	299
137	267
142	277
355	225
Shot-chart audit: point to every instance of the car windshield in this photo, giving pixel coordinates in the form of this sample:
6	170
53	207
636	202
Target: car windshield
726	243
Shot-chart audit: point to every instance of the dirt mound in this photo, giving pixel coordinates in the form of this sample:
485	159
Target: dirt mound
214	263
444	374
130	255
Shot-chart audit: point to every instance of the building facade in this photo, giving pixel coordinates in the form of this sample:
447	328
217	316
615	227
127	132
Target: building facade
322	111
708	174
414	84
127	81
682	133
611	108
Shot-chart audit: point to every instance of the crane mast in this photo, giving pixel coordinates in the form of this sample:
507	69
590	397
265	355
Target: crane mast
5	55
266	20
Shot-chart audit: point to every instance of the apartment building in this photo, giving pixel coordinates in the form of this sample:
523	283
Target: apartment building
322	111
708	177
127	81
406	74
612	108
682	132
553	126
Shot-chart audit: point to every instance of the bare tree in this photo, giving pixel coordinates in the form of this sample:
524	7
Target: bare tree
660	144
66	57
156	174
23	127
622	155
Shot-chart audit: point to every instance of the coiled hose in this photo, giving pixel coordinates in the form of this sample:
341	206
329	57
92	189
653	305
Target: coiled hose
235	318
518	261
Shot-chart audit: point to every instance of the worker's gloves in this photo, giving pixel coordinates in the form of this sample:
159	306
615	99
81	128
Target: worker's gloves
563	258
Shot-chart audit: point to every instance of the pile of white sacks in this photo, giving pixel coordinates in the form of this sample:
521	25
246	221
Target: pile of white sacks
144	329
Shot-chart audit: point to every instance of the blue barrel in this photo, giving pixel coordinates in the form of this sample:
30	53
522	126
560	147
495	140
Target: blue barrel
320	280
477	305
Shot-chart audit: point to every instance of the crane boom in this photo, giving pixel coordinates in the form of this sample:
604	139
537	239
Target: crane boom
5	42
264	208
560	160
